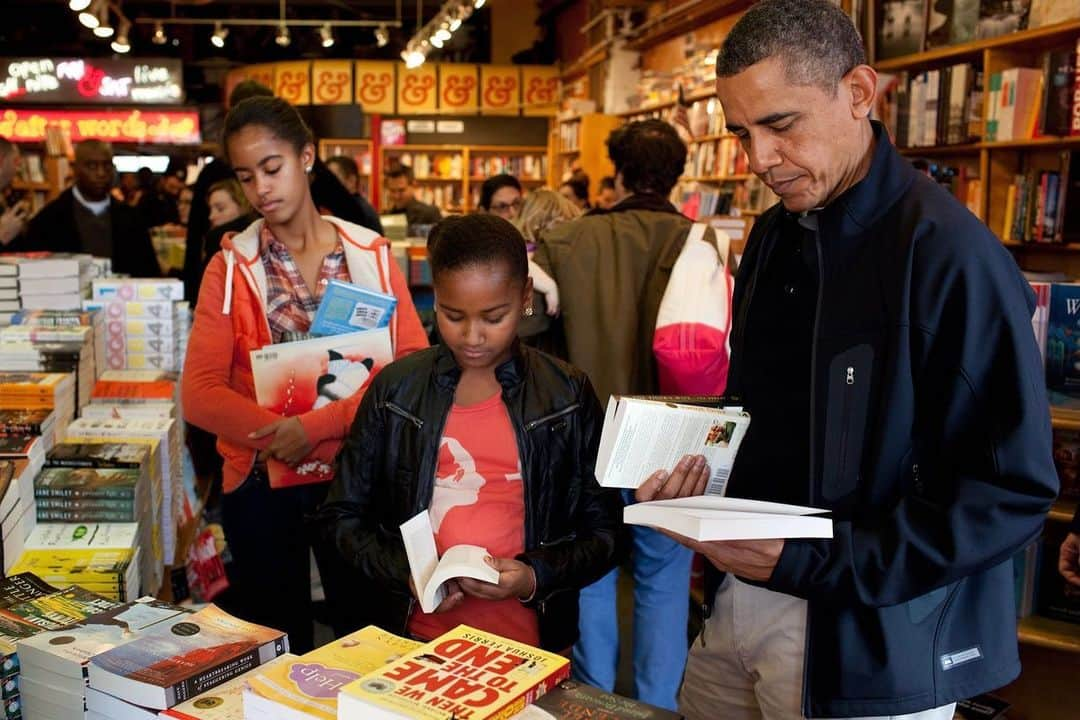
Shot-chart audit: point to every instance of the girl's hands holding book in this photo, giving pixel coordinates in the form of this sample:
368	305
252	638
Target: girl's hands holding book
453	598
688	478
290	443
516	580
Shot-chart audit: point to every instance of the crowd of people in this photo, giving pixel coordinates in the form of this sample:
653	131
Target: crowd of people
881	342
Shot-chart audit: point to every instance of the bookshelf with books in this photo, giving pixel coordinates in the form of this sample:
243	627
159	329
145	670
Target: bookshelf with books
42	177
581	145
450	176
360	152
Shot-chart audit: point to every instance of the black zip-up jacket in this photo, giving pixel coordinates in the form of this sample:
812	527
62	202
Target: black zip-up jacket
930	443
386	475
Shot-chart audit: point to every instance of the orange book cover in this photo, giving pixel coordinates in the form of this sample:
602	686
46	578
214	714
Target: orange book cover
466	673
121	390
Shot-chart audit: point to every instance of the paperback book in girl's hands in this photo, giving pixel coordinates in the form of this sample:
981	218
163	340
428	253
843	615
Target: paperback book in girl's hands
297	377
430	573
347	308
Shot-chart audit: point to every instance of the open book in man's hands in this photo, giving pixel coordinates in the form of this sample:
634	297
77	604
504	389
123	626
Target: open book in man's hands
429	573
642	436
707	517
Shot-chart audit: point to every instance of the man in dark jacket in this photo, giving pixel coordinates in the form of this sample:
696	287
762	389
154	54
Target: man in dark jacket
882	345
85	218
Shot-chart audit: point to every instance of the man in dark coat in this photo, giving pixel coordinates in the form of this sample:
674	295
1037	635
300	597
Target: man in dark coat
86	218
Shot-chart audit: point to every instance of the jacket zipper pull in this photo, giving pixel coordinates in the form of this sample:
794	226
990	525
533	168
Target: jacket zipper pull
851	376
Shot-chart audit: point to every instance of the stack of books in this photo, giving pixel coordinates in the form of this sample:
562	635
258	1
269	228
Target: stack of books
40	391
45	319
51	349
144	328
106	572
17	508
177	660
53	281
54	662
15	589
307	686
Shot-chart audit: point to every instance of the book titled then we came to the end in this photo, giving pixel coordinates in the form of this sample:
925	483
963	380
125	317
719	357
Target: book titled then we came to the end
641	436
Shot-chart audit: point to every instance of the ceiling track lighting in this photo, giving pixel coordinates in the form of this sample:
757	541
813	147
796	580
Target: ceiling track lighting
159	37
217	39
282	38
382	36
89	17
122	43
79	5
326	34
439	30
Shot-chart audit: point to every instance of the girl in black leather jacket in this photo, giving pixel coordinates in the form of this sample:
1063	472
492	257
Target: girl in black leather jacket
495	441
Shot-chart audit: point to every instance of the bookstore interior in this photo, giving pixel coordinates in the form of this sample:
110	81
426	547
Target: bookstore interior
207	516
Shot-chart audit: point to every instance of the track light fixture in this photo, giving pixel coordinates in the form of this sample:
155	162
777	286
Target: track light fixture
382	36
122	43
89	16
326	33
218	38
159	37
282	38
79	5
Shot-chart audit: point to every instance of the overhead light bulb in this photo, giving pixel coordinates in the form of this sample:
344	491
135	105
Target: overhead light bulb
122	43
413	59
89	18
159	34
283	38
436	41
382	36
79	5
218	38
327	35
103	29
455	24
443	34
478	4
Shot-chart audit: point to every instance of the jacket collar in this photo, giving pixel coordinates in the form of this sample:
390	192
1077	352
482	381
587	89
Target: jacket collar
644	201
864	203
509	374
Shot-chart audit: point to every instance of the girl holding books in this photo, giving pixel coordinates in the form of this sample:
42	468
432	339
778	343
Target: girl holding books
495	440
264	285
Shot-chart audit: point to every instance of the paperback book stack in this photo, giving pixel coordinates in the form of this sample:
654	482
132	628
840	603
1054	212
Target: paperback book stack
56	349
107	572
40	391
54	662
463	673
307	687
51	611
224	702
53	281
180	659
47	319
15	589
17	508
144	325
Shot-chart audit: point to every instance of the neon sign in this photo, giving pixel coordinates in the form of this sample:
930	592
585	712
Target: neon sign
130	126
98	80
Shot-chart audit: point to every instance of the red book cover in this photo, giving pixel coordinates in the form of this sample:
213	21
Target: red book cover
298	377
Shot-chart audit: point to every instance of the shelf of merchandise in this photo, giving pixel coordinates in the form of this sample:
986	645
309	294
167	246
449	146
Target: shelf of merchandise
359	150
654	107
590	152
54	169
716	178
466	182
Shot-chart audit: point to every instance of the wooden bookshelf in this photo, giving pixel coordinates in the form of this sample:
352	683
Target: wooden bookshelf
361	153
667	104
580	143
1050	634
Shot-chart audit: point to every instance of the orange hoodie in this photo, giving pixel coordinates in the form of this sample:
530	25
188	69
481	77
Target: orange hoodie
218	390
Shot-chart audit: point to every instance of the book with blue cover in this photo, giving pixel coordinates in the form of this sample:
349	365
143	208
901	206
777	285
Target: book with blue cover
347	308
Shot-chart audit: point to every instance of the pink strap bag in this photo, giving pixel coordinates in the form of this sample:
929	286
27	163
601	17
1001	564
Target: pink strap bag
692	326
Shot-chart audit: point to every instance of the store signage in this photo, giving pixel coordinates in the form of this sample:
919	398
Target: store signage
420	126
450	127
71	81
416	91
375	86
135	126
500	89
459	89
293	82
332	82
540	86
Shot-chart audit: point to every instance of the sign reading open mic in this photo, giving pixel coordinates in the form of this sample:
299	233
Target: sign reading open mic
105	81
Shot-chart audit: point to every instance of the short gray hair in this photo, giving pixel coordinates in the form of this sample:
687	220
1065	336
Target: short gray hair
815	40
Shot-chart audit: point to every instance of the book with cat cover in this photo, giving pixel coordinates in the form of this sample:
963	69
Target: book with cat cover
463	673
297	377
175	661
308	686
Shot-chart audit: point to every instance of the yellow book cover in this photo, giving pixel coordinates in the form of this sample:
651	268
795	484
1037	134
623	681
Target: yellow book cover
465	674
310	684
225	702
88	565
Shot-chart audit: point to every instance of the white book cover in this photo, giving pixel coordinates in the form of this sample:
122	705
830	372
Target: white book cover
430	572
90	536
103	705
708	518
640	437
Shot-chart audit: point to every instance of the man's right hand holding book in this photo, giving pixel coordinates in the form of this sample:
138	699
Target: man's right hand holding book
747	559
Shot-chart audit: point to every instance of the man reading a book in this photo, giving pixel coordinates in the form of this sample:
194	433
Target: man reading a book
882	345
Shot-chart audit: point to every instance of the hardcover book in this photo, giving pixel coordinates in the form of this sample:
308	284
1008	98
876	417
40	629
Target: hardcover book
1063	339
573	701
463	673
26	422
902	28
15	589
88	482
297	377
75	454
309	685
347	308
175	661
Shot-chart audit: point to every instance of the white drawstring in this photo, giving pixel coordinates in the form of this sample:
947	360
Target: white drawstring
230	262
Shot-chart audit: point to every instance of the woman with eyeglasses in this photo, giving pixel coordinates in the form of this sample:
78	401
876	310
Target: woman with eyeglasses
500	195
